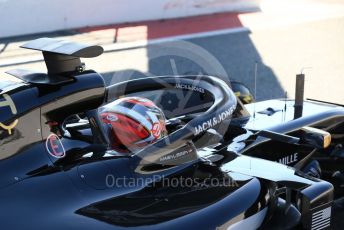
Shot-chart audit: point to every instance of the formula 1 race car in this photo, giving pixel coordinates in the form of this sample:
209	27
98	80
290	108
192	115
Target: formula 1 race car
58	171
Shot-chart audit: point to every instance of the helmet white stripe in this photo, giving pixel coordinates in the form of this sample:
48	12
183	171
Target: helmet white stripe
134	115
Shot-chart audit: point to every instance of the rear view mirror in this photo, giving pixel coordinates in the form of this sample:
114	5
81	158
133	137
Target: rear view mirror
315	137
242	92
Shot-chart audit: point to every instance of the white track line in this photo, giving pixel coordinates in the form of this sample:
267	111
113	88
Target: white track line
130	45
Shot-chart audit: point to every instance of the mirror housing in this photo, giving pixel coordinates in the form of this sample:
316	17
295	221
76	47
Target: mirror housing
315	137
242	92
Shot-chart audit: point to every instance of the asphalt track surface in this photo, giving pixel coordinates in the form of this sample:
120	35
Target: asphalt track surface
305	36
280	54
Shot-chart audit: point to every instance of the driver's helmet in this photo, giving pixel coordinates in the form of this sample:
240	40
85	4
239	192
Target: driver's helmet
133	123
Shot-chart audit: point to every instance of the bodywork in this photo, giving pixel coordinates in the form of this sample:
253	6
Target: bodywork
55	176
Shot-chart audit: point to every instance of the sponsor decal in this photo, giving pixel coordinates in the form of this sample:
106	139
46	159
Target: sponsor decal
181	155
111	117
214	121
9	102
321	219
175	155
289	159
54	146
10	126
190	87
156	129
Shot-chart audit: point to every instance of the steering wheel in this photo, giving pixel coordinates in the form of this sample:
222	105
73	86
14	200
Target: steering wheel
224	104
